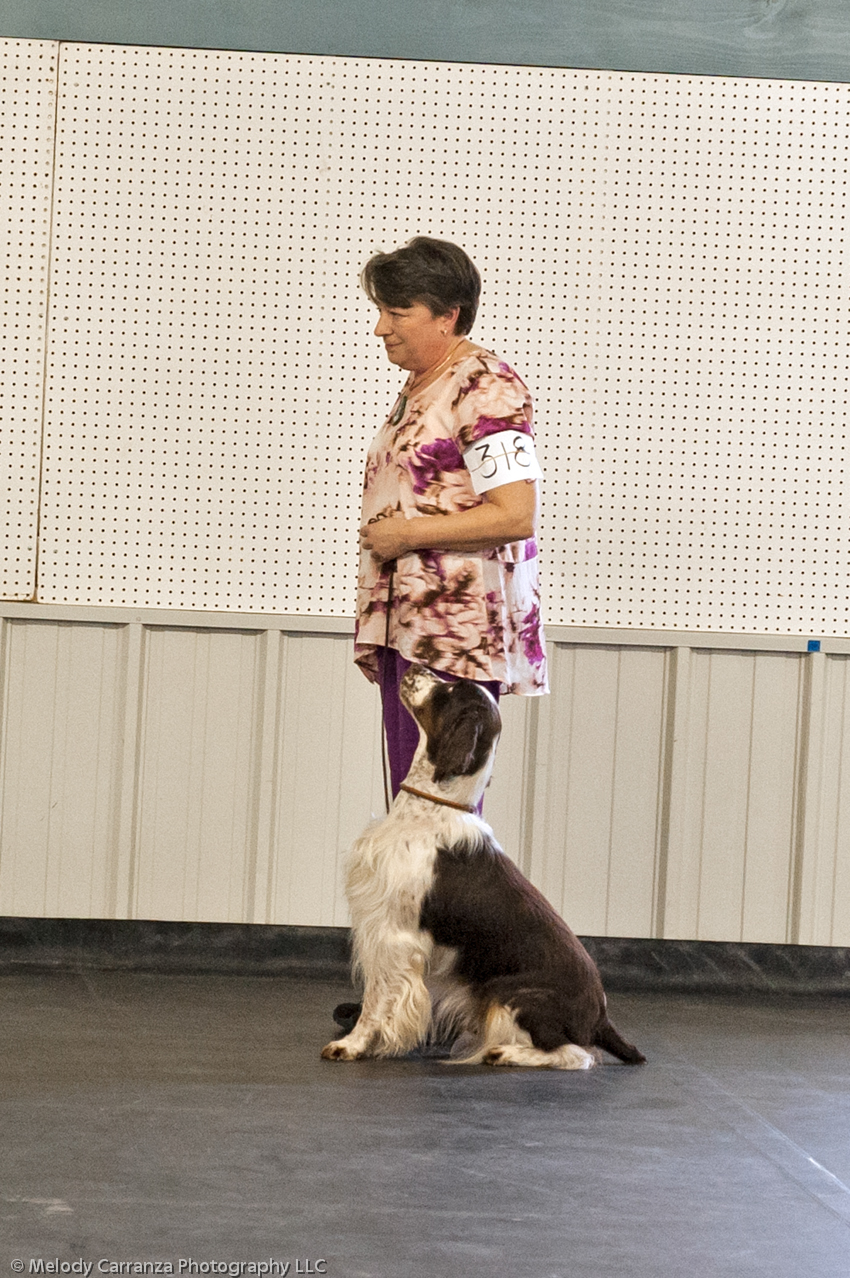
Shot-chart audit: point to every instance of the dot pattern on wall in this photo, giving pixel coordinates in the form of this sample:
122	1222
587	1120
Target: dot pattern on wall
703	465
663	260
27	111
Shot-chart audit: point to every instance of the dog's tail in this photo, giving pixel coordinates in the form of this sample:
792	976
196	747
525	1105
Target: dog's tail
608	1038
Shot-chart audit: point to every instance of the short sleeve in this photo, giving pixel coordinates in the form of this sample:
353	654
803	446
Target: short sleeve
491	399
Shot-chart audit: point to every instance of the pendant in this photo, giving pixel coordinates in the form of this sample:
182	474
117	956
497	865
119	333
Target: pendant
399	410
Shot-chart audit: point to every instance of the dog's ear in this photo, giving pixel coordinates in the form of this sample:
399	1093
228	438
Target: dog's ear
455	754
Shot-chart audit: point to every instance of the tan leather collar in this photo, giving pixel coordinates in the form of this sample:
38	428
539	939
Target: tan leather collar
435	798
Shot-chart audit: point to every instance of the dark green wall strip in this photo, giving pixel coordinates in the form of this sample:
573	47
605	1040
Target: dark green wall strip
787	39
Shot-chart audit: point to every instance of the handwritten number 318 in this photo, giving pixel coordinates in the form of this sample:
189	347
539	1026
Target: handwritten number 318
517	456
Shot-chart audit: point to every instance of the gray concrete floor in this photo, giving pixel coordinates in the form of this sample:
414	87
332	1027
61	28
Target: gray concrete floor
190	1119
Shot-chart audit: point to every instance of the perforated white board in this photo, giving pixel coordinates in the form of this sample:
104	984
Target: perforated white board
663	260
27	114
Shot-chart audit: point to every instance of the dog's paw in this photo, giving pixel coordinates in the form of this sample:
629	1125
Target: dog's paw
497	1056
339	1050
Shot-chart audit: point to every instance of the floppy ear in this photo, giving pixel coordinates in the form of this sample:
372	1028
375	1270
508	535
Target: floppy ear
454	755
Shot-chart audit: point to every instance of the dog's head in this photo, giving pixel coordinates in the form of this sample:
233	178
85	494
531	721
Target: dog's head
461	721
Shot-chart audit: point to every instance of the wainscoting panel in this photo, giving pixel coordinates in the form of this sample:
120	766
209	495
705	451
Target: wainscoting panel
599	788
196	767
329	776
62	711
187	773
824	872
732	829
509	801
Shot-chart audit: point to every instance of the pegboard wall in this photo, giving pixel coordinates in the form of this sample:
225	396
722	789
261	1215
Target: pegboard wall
663	259
28	71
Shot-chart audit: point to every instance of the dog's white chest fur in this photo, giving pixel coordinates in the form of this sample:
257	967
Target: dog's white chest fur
390	869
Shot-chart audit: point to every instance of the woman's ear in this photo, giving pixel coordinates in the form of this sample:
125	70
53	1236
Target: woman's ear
451	318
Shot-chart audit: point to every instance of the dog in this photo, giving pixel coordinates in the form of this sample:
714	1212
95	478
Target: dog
451	941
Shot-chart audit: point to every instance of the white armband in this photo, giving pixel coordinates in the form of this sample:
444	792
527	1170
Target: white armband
501	459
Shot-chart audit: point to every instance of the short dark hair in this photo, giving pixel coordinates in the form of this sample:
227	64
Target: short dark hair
435	273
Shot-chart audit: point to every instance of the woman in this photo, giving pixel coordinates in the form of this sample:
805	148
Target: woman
448	566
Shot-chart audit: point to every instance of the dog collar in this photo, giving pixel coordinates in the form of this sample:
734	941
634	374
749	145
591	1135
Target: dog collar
446	803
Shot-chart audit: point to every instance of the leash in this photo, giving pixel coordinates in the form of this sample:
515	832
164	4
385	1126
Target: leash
435	798
384	746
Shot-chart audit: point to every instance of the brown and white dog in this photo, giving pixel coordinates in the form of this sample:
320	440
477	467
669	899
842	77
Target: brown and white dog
450	939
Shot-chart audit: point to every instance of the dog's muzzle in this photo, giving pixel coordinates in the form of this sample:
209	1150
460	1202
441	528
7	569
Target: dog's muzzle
416	685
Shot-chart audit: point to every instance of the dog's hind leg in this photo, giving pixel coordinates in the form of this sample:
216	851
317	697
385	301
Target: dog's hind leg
568	1056
504	1042
396	1010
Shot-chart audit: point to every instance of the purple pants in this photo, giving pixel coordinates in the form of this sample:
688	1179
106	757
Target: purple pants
399	724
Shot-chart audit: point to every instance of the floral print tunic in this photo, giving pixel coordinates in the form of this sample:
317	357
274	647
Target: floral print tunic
472	614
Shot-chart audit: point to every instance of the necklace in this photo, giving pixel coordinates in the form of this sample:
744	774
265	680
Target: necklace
418	380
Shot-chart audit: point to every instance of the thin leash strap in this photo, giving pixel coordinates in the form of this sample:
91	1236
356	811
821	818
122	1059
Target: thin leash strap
384	743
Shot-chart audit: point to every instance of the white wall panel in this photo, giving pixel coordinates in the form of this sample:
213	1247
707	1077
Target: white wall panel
28	75
730	858
62	718
825	869
329	777
198	758
600	755
509	801
211	386
771	844
220	775
664	259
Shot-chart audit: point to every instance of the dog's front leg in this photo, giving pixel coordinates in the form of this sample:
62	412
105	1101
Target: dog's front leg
396	1005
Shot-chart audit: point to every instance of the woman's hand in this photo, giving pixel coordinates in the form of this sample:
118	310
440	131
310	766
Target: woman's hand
386	538
507	513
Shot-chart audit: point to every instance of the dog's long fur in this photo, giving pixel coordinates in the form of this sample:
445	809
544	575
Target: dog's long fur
450	939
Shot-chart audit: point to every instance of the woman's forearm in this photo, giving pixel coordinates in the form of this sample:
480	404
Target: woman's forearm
507	514
480	528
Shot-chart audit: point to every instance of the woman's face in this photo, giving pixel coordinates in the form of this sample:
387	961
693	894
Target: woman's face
415	339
